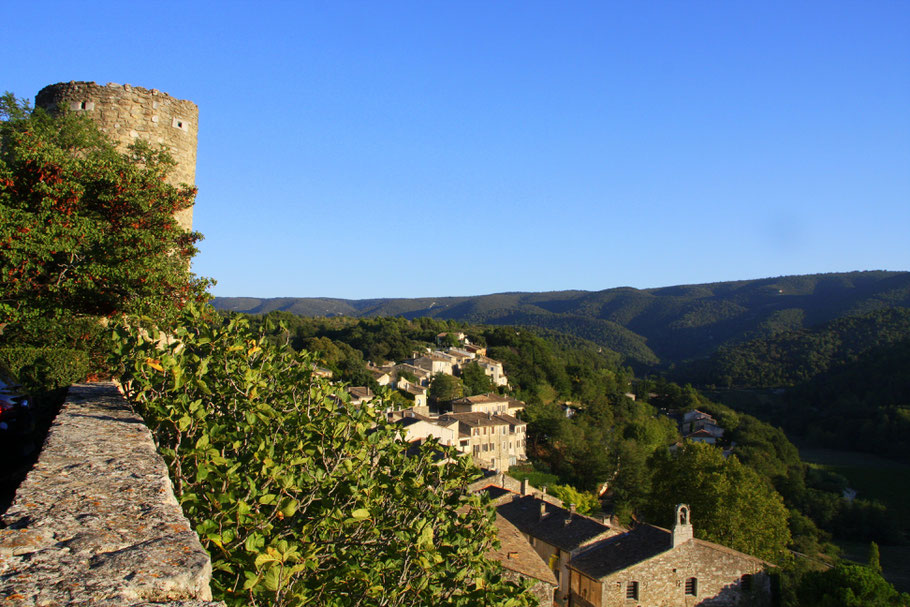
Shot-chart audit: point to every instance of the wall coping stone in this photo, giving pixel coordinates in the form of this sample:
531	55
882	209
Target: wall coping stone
96	522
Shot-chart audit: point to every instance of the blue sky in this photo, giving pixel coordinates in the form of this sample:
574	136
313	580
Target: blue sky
404	149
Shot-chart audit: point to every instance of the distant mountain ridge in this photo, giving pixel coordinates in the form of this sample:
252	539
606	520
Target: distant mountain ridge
649	327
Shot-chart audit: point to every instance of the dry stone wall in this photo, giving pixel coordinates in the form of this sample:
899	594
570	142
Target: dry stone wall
96	522
126	113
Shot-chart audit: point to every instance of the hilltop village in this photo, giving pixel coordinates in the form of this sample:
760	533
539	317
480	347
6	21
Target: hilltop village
569	558
484	426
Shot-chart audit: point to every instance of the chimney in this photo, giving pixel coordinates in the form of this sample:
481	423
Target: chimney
524	487
682	528
543	510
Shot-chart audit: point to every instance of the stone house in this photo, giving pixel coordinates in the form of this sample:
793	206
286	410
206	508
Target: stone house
556	533
360	395
520	561
496	441
488	403
476	350
382	377
462	357
653	567
423	376
418	393
421	427
436	362
493	368
702	436
695	421
481	403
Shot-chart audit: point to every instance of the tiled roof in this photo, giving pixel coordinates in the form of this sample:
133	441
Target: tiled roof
477	399
360	392
622	551
627	549
516	554
524	513
477	418
486	359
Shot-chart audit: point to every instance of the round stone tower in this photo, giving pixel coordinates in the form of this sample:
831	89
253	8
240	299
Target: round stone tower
126	113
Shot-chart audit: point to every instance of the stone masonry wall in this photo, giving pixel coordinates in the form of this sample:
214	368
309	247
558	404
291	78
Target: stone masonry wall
126	113
718	570
96	522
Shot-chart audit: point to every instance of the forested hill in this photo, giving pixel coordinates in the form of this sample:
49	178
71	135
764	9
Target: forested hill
648	326
794	357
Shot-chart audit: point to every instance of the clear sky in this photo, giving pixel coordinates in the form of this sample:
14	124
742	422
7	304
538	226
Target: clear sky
403	149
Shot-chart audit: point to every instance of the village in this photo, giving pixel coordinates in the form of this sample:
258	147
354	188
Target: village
569	558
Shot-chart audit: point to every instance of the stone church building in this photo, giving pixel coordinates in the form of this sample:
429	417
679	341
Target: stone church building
653	567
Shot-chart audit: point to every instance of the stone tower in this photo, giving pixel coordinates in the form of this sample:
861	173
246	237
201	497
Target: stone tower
682	527
126	113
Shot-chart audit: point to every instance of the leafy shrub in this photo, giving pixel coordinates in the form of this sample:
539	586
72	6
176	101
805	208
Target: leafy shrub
299	497
39	369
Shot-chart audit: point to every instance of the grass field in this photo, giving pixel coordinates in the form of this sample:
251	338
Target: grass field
877	478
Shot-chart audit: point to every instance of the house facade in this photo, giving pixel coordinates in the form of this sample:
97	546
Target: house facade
653	567
493	368
496	441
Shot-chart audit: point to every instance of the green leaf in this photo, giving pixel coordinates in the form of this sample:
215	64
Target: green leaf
360	514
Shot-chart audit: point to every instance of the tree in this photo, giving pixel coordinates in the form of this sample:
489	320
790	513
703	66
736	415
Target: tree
444	388
300	499
848	585
86	232
731	504
585	502
874	558
475	380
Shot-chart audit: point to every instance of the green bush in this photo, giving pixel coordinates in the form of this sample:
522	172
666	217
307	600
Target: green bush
38	369
300	498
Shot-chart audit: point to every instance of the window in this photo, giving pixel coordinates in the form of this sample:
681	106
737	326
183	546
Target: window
632	591
691	586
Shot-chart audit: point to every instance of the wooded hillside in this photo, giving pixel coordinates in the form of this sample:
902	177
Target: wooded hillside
649	327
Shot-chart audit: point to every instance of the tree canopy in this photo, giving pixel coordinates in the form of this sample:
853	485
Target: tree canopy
731	504
86	231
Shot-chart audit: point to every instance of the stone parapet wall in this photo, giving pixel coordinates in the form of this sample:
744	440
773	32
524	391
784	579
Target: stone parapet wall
126	113
96	521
